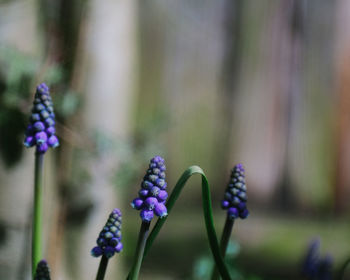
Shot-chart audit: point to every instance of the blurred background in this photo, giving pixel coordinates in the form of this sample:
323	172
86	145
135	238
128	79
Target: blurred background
212	83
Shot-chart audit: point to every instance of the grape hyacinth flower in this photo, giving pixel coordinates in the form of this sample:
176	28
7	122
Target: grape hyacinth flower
42	271
109	240
315	267
234	202
151	201
153	194
235	198
310	264
41	134
41	129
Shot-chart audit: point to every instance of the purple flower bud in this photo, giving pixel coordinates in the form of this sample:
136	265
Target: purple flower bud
235	195
29	141
147	185
41	148
42	271
44	114
137	203
53	141
152	193
150	203
143	193
41	137
114	242
39	126
101	241
35	117
162	195
110	236
244	213
96	252
146	215
155	191
225	204
160	183
109	251
161	210
119	247
232	213
49	122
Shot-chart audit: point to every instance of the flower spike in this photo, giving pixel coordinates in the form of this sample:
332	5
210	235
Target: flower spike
41	128
235	197
42	271
109	241
153	194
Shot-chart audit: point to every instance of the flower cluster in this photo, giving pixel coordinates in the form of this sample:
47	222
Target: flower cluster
109	240
315	267
41	129
235	195
152	195
42	271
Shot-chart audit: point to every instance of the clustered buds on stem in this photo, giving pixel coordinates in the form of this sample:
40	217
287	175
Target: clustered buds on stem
109	240
314	266
41	129
153	194
235	198
42	271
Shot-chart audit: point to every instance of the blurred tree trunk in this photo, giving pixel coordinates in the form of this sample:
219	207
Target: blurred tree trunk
342	174
295	15
225	137
103	72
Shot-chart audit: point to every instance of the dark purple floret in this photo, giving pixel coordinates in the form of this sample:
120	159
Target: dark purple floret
41	128
109	241
152	195
42	271
235	196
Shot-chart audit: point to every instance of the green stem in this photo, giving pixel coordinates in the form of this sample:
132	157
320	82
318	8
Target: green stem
139	251
208	216
225	238
37	214
102	268
342	269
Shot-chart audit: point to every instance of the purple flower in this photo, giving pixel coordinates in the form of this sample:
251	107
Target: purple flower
109	240
315	267
152	194
235	196
42	271
41	128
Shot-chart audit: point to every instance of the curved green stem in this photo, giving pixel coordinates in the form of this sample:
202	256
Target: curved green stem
134	275
37	212
225	238
102	268
342	269
208	217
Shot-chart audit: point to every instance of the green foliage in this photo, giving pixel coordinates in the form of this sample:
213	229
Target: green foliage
204	265
16	72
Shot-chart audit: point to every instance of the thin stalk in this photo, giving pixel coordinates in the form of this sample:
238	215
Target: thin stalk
102	268
225	238
139	251
37	214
